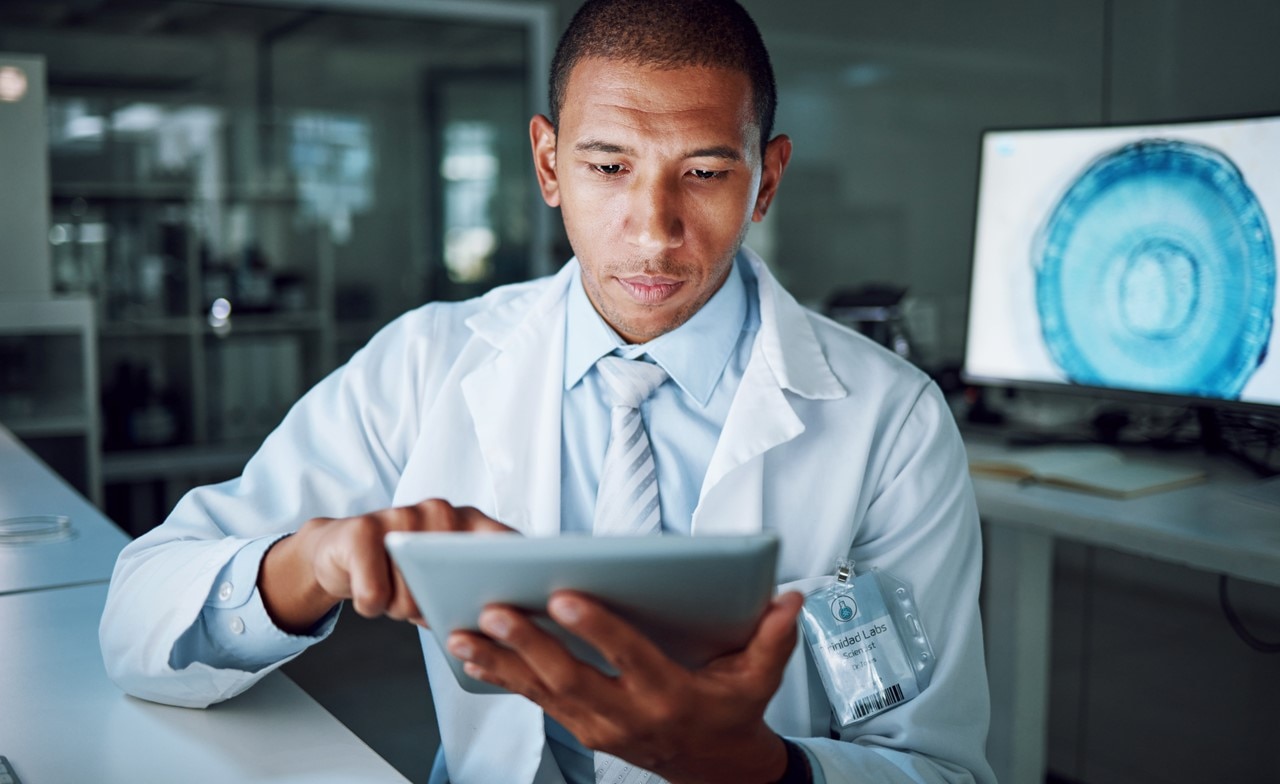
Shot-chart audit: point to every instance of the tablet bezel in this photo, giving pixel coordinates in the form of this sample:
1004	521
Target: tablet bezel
652	581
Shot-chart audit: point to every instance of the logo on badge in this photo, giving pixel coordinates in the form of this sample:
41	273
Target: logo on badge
843	607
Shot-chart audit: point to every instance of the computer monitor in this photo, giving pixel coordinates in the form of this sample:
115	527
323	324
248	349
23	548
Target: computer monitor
1137	259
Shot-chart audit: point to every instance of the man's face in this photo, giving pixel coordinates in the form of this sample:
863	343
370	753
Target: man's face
657	174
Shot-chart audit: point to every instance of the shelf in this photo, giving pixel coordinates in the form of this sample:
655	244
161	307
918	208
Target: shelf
245	324
144	464
164	191
158	326
121	192
48	426
57	316
265	323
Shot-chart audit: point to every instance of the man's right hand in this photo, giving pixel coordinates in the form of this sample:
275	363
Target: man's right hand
328	560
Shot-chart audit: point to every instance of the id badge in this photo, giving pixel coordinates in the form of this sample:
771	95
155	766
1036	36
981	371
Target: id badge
868	643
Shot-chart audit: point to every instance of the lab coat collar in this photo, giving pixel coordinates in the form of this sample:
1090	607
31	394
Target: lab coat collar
801	367
502	318
521	443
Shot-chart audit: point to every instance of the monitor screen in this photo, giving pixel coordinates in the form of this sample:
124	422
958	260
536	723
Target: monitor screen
1139	258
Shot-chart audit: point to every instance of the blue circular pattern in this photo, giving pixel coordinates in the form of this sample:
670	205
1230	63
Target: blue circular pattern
1156	271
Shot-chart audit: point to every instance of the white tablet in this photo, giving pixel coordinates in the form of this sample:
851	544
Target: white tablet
696	597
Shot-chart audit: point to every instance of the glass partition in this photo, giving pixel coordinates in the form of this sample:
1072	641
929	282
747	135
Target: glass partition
250	190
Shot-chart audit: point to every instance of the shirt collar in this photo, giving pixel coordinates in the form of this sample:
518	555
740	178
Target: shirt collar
694	354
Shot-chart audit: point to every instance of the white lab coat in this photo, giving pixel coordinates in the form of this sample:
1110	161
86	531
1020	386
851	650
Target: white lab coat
830	440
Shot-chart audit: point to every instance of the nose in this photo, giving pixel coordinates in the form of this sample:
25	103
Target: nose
654	223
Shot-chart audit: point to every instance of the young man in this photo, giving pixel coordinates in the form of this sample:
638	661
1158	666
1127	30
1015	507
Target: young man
762	416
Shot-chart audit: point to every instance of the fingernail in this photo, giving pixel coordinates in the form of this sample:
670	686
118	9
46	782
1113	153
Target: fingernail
461	648
565	610
495	624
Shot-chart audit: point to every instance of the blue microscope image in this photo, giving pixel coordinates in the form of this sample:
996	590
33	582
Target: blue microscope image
1156	270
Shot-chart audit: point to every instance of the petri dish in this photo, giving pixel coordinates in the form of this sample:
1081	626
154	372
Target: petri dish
36	529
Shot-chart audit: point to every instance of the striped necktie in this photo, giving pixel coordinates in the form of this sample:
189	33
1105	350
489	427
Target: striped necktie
627	501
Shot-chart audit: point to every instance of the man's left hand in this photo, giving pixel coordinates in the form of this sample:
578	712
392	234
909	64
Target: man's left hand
704	725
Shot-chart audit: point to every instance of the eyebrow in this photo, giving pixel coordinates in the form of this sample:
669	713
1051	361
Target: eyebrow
723	152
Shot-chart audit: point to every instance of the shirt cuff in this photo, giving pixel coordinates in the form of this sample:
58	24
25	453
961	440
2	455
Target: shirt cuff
234	630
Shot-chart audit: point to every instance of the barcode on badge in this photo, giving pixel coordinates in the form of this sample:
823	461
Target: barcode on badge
877	702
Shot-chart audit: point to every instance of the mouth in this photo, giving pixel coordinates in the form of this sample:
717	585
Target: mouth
650	289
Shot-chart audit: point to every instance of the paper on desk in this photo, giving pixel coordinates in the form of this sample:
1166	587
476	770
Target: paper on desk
1092	469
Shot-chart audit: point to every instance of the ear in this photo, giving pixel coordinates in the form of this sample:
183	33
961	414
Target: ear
542	136
777	154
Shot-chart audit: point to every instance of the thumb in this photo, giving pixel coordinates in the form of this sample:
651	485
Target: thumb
775	637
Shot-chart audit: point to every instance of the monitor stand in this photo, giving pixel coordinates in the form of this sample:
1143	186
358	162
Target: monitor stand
1264	491
1106	429
1215	443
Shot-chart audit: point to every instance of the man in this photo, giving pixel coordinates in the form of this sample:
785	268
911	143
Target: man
764	417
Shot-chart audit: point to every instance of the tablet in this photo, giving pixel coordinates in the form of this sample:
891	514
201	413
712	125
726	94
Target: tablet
696	597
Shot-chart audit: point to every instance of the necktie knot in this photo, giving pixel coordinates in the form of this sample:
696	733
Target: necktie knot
628	382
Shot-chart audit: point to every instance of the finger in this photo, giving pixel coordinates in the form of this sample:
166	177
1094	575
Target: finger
488	661
402	607
436	514
369	568
542	654
638	661
775	637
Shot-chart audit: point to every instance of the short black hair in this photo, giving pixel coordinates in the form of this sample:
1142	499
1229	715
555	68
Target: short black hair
668	34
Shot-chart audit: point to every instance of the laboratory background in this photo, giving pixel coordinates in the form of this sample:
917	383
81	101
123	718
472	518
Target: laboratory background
206	206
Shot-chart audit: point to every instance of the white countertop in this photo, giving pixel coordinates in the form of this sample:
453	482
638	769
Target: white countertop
1210	526
63	721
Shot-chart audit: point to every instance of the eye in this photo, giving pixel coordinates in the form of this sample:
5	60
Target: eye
608	169
706	174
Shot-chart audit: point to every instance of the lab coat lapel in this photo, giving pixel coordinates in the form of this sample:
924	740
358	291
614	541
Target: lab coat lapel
513	397
786	357
515	401
760	418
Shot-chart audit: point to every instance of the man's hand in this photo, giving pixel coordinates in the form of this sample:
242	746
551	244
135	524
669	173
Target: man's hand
304	575
705	725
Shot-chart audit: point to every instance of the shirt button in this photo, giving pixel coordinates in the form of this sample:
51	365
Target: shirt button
237	625
224	591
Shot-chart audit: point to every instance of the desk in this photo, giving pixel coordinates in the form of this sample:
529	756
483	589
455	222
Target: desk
61	719
65	721
1208	527
28	487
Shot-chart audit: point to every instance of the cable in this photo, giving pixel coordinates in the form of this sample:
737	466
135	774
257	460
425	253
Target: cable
1086	660
1237	625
